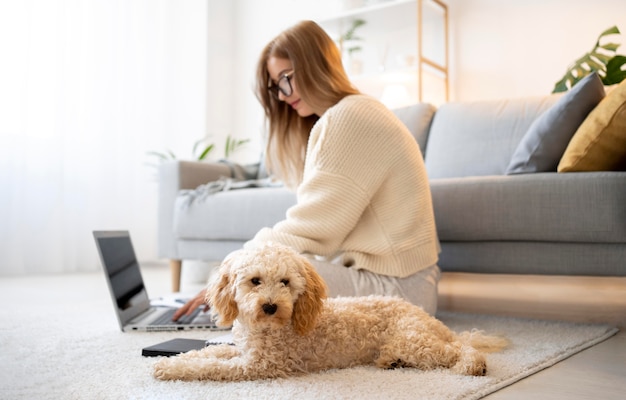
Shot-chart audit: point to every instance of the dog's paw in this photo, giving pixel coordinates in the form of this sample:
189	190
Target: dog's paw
164	369
384	363
397	364
478	368
471	362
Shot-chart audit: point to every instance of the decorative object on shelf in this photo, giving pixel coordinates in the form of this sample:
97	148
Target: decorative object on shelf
405	42
350	37
349	43
202	149
602	59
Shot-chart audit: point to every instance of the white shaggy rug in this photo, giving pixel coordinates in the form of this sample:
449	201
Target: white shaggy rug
66	345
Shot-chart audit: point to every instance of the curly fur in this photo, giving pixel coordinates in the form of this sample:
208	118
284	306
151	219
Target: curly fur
284	326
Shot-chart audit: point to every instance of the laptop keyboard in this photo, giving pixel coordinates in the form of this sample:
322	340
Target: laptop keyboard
166	318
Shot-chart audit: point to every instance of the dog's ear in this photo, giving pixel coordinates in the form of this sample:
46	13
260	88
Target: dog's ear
309	304
221	295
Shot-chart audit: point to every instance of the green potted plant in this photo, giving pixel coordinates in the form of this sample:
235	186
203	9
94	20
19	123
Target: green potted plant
202	149
349	43
601	59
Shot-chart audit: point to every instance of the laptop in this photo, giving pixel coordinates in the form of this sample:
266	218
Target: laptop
128	292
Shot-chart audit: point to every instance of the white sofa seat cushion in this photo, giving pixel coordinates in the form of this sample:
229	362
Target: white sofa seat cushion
231	215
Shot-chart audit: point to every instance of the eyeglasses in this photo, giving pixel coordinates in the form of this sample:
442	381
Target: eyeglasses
283	85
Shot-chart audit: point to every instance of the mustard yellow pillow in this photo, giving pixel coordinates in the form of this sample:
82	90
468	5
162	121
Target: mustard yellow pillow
599	144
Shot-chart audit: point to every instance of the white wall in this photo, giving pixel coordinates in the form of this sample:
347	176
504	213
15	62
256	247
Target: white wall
86	89
256	23
511	48
220	72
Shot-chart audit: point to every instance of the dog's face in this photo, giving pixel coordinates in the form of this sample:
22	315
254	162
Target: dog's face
271	286
266	290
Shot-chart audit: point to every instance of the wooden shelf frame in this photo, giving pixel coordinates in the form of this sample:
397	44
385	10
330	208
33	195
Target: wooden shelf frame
424	64
422	60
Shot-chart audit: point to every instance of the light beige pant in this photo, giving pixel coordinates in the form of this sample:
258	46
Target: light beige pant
419	288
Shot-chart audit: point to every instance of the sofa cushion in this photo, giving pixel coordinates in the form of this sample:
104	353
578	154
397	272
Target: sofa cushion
534	257
600	142
417	118
550	207
478	138
545	141
230	215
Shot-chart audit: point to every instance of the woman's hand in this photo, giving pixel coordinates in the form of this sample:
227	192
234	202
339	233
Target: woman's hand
191	305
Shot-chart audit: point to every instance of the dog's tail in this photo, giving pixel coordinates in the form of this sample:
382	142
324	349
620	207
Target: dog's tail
482	342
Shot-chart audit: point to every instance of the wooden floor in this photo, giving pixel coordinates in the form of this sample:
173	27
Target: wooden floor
571	298
596	373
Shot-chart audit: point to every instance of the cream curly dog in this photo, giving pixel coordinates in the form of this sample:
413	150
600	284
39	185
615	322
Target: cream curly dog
284	326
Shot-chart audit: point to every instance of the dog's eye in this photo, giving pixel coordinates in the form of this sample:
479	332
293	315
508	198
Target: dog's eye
255	281
285	282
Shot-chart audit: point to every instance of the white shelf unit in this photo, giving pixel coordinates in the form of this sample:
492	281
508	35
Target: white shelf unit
404	49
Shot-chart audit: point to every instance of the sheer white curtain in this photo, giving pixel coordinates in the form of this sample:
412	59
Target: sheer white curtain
86	89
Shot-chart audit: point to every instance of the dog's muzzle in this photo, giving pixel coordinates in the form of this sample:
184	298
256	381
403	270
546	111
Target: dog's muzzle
269	309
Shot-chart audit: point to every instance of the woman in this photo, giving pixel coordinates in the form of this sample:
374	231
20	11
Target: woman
364	210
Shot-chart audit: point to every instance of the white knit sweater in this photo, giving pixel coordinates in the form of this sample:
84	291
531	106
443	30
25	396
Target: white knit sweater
364	197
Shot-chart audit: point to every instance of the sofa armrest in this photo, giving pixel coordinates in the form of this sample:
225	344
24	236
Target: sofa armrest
173	177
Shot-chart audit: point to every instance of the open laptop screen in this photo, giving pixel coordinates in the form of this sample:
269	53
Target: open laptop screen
121	266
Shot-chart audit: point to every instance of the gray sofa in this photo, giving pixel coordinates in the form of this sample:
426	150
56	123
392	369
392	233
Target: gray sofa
488	222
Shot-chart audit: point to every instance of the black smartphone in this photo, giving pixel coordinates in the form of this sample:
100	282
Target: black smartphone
173	347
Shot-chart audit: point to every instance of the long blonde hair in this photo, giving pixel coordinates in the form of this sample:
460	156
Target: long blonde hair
321	82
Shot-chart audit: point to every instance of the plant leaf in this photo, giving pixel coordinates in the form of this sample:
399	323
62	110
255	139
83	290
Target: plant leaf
594	65
560	87
610	46
594	60
603	57
169	155
614	72
612	30
349	35
232	145
206	152
195	146
227	146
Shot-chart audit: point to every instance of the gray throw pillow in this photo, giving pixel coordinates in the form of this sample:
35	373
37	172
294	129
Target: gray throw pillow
547	137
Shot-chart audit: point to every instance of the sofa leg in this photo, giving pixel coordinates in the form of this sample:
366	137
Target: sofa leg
175	268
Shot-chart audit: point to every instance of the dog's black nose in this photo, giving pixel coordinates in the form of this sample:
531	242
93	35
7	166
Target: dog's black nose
269	309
